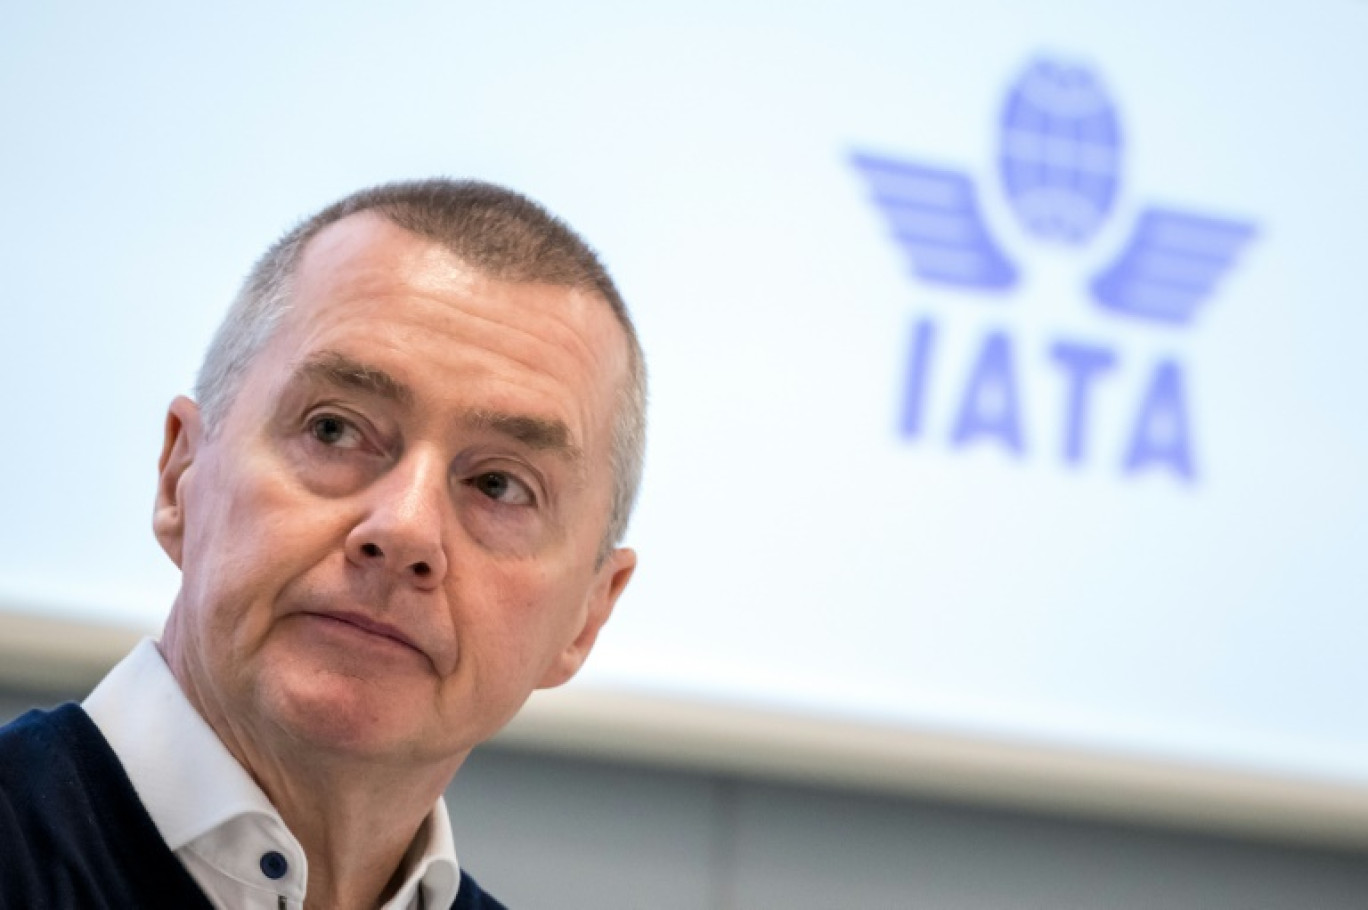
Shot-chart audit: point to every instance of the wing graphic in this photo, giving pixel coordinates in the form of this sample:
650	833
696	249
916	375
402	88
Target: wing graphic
934	216
1171	264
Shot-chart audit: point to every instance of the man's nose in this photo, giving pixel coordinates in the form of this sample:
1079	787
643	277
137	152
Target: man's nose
402	531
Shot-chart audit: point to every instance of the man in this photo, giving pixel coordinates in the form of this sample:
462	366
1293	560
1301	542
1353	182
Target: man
396	509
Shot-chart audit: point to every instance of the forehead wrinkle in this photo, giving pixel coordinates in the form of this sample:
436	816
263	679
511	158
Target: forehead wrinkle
341	371
563	318
580	340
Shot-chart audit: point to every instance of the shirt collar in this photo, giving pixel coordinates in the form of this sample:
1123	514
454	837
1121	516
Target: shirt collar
201	799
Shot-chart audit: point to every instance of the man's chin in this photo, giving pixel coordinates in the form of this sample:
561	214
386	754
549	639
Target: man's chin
334	714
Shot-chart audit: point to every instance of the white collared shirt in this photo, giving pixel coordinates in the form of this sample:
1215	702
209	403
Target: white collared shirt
210	812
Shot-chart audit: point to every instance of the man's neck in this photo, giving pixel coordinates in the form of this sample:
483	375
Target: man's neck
357	828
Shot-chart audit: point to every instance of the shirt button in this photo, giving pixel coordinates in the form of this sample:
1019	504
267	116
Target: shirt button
273	865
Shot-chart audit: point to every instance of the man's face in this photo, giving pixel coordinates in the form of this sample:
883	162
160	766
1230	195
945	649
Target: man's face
391	538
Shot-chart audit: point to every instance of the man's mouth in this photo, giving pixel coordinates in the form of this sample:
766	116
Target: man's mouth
367	624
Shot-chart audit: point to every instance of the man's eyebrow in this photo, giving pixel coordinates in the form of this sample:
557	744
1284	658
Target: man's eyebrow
534	432
539	433
342	371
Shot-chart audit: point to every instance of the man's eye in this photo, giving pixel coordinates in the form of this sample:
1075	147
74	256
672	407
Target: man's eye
499	486
332	430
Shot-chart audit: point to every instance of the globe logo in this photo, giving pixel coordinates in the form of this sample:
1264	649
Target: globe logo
1059	151
1059	157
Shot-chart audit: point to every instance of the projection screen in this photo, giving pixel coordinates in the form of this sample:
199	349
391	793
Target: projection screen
1007	422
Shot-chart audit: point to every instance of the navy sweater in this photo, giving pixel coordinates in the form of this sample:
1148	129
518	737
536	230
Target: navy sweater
73	833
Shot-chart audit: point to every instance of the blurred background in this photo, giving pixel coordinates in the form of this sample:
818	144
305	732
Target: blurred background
1003	534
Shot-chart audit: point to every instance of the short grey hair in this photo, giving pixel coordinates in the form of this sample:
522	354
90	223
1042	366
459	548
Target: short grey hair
502	234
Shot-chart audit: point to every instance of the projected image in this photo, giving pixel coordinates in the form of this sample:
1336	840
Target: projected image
1005	382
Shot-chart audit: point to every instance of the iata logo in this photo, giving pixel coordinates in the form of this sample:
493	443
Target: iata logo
1059	163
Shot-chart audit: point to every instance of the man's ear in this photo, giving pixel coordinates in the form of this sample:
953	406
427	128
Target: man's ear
609	581
179	446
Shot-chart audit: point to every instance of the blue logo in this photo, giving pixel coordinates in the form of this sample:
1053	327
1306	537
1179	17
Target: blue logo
1059	157
1059	152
